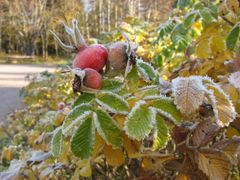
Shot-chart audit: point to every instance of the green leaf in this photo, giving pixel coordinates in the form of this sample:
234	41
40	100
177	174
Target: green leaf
113	102
165	28
165	107
182	3
146	70
161	136
108	129
233	37
75	116
139	121
84	98
147	91
83	140
190	18
57	141
112	85
133	80
206	15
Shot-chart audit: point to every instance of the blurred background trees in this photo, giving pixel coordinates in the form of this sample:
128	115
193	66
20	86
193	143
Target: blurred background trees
24	24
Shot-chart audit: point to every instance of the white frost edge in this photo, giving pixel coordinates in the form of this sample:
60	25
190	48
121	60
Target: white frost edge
176	83
134	109
109	108
74	122
99	129
142	70
76	107
232	80
214	103
158	97
116	89
61	144
167	115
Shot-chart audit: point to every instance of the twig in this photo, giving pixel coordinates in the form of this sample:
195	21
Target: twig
229	22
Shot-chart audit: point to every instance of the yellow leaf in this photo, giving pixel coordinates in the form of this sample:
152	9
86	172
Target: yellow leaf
203	49
132	101
217	44
120	119
184	72
66	153
86	171
231	91
232	132
99	143
214	164
59	118
131	146
114	157
155	163
205	67
7	154
222	106
32	136
182	177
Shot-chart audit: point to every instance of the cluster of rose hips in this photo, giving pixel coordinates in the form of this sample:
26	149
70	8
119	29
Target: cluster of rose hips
90	61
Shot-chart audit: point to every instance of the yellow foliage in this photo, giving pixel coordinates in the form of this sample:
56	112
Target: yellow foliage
59	118
99	143
217	44
120	120
32	136
131	146
114	157
7	154
233	93
181	176
203	49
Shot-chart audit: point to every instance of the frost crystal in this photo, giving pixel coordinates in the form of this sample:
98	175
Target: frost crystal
188	93
234	79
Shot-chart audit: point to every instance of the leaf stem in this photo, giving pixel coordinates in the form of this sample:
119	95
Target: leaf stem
228	21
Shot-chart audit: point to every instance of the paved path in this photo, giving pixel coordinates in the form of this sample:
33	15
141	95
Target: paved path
12	79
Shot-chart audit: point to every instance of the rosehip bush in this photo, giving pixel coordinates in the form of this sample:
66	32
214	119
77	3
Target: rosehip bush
144	122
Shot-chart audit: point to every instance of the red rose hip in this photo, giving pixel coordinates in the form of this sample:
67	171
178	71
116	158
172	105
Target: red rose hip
94	57
92	79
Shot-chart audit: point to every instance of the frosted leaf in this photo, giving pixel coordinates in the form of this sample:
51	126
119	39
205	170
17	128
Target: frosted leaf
13	170
234	79
147	70
57	142
188	93
113	102
214	164
140	121
222	105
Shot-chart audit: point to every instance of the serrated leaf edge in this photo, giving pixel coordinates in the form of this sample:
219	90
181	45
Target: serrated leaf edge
107	107
135	108
54	133
142	70
74	122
